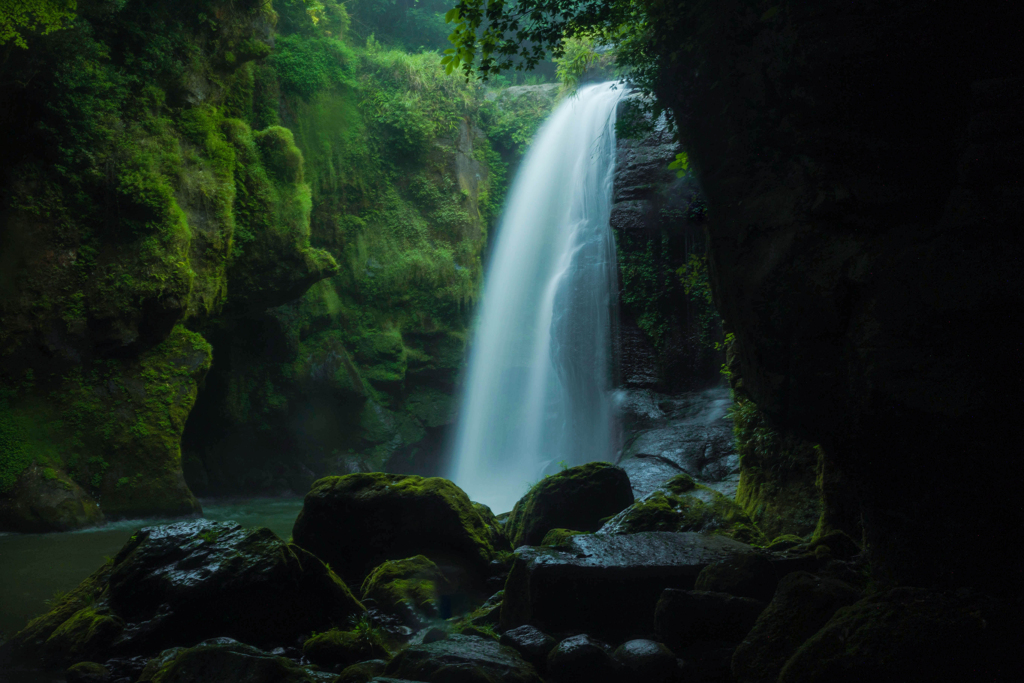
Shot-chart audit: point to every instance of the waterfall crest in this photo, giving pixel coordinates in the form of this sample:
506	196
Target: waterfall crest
538	389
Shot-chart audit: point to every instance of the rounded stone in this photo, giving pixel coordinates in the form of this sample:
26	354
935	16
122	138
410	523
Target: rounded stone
647	660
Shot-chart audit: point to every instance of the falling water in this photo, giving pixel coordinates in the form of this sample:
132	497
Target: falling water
538	392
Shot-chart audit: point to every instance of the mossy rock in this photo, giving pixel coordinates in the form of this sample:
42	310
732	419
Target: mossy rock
46	499
222	660
362	672
410	588
339	649
466	659
681	504
359	521
558	538
495	528
186	582
748	576
906	634
576	498
87	672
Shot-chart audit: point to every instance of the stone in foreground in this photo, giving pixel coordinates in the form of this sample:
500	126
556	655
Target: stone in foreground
359	521
462	659
606	585
683	617
222	660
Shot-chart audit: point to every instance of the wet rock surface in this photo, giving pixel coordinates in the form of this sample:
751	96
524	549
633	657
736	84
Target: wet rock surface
606	585
462	659
531	643
689	433
182	583
576	498
222	660
582	658
646	660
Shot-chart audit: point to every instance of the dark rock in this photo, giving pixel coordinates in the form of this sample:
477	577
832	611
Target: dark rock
802	604
606	584
681	504
906	634
581	658
433	634
683	617
358	521
462	659
87	672
363	671
648	472
576	498
337	650
182	583
646	660
222	660
43	500
707	661
531	643
559	538
748	576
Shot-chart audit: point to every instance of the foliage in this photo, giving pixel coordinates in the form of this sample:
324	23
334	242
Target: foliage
33	16
308	65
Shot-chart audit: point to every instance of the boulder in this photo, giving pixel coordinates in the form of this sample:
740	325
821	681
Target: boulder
608	585
338	649
182	583
87	672
647	661
409	588
683	617
557	538
222	660
461	659
576	498
581	658
531	643
363	671
358	521
45	499
906	634
681	504
802	604
747	576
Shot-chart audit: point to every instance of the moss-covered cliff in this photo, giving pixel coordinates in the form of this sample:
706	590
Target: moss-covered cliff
178	175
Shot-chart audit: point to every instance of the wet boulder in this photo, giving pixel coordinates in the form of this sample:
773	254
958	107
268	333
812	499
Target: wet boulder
359	521
907	634
362	672
410	588
581	658
222	660
747	576
461	659
802	604
604	584
647	661
531	643
683	617
337	649
183	583
681	504
45	499
87	672
576	498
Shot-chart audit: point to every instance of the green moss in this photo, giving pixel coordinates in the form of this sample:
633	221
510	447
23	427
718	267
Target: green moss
341	648
558	538
86	634
684	505
410	584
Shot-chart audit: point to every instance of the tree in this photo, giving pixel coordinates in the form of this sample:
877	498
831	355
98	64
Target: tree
33	16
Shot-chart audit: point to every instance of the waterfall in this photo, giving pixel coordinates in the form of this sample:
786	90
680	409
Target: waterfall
538	389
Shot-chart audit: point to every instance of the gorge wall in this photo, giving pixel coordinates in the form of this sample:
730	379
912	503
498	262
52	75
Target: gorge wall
862	169
233	259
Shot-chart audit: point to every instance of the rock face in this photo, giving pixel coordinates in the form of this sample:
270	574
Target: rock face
359	521
606	585
222	660
576	498
182	583
458	659
860	209
802	604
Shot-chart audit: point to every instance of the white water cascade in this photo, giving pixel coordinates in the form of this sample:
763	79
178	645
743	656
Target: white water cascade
538	393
